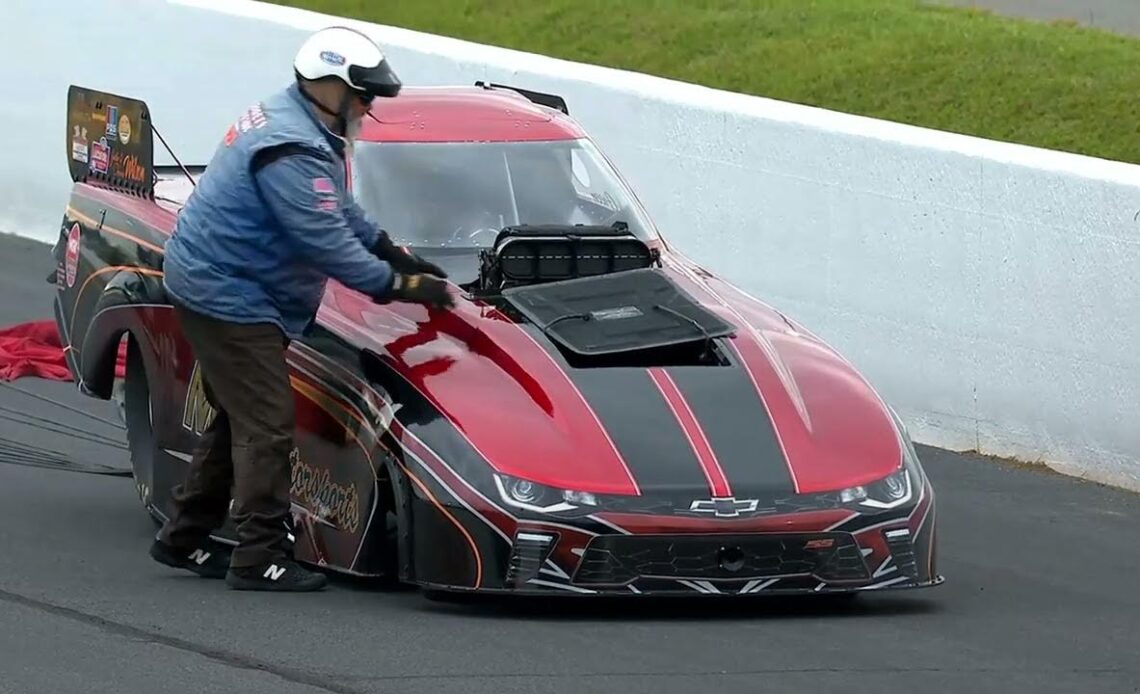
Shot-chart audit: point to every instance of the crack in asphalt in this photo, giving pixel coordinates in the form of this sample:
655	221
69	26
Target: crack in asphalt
733	673
321	680
228	658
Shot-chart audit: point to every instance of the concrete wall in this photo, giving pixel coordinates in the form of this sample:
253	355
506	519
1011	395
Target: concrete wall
989	291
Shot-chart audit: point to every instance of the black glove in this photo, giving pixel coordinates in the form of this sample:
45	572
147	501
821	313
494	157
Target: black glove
421	289
401	259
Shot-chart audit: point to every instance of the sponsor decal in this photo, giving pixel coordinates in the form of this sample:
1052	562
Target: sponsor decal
332	58
79	144
112	130
128	167
71	262
314	487
100	156
197	413
125	129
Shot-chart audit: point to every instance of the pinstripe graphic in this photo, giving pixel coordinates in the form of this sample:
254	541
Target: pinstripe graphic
645	429
87	282
455	521
718	483
585	403
418	450
94	224
403	437
352	412
743	324
326	402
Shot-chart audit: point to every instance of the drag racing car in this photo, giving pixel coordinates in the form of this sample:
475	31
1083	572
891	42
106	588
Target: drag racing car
597	415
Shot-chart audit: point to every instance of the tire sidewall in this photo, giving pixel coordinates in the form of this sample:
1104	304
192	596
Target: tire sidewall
140	427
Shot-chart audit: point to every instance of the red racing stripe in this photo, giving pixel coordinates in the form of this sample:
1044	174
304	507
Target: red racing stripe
718	483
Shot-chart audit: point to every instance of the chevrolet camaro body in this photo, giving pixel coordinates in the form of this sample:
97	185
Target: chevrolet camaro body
575	425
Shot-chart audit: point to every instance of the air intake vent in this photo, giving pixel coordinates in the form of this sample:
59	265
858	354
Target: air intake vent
617	560
528	555
902	551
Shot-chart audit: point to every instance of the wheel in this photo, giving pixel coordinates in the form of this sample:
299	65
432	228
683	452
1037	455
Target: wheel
139	418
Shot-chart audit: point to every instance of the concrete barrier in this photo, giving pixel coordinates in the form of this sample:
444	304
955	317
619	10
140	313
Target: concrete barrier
989	291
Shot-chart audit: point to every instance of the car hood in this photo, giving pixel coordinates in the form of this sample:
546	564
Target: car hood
787	414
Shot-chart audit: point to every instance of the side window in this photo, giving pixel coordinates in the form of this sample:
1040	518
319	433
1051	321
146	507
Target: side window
581	172
596	190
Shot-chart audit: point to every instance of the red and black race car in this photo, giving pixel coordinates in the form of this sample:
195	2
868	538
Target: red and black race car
597	415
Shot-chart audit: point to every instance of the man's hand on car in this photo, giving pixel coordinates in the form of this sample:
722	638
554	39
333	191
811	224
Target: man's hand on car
403	260
421	289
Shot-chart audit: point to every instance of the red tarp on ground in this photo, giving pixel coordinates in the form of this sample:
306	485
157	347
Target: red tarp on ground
35	349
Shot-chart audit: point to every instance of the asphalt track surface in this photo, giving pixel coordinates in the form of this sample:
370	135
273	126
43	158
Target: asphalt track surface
1041	596
1120	16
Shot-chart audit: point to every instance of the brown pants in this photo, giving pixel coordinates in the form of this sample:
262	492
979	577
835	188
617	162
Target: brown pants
246	446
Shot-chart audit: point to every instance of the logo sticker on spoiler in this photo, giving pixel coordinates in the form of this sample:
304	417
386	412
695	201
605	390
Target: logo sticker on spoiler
125	129
100	156
79	144
112	130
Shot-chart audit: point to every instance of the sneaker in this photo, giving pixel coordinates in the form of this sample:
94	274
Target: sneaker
209	559
282	575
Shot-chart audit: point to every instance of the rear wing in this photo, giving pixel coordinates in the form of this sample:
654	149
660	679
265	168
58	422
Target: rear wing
550	100
110	140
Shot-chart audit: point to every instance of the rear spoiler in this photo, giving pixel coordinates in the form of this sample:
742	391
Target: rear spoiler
110	139
550	100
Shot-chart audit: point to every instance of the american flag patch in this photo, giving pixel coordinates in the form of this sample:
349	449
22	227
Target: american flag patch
323	185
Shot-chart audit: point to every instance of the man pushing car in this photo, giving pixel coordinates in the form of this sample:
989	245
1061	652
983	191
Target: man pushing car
267	224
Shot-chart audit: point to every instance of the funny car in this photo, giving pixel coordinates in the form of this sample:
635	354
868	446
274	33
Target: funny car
597	415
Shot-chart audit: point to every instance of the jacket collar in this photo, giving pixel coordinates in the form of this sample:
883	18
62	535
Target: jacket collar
334	140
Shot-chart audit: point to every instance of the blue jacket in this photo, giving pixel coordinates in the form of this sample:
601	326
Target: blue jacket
270	221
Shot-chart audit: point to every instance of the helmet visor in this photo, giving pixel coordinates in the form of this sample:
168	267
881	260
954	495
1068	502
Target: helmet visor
379	80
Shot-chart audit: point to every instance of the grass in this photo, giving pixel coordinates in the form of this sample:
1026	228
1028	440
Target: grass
1050	85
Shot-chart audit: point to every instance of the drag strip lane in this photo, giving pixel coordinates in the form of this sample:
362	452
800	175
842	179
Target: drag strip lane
1041	596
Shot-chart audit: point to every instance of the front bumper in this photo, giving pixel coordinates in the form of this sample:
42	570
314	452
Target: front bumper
618	561
812	549
718	564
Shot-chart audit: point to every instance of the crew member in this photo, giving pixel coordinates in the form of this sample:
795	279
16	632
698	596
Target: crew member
267	224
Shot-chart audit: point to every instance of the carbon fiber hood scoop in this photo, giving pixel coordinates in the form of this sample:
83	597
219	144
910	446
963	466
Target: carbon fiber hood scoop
619	312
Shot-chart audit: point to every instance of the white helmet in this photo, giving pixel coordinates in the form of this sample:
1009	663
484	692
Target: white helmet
349	55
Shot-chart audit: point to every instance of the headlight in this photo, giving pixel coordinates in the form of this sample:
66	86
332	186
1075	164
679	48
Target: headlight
895	489
533	496
891	491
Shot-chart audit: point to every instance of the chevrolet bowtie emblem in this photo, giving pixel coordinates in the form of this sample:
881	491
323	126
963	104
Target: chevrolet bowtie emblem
724	507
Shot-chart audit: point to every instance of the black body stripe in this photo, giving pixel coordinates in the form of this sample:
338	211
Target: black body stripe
646	433
269	155
738	428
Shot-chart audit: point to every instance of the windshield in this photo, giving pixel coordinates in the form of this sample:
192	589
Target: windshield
460	194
